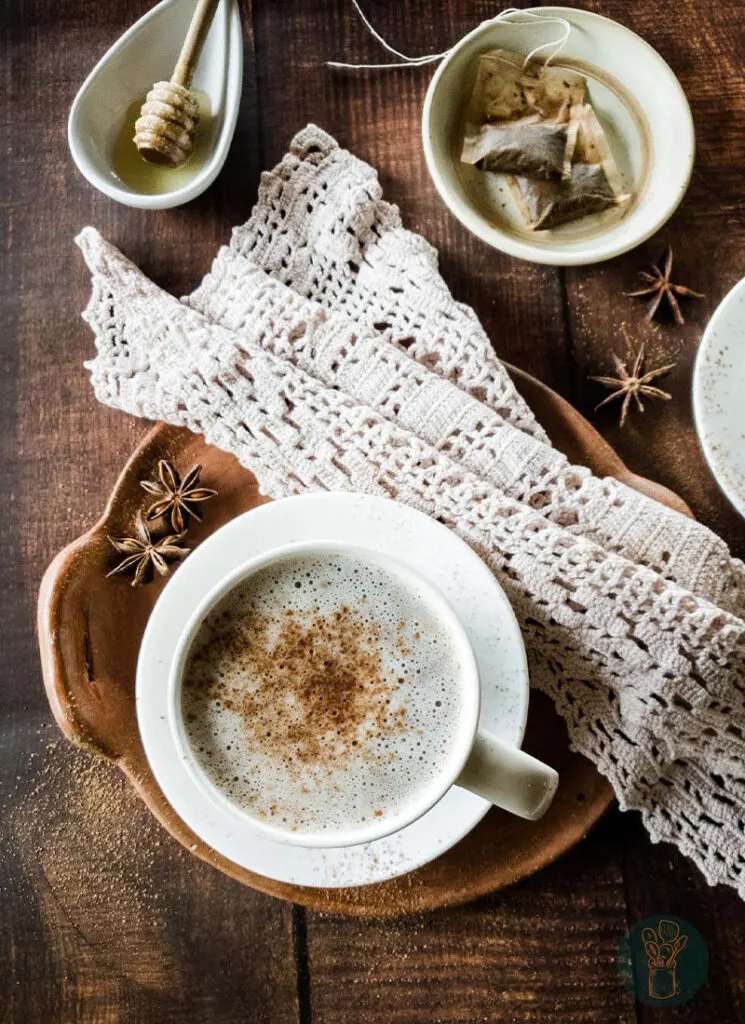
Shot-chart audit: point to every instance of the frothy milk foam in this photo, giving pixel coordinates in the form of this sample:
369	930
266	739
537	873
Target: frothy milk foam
322	693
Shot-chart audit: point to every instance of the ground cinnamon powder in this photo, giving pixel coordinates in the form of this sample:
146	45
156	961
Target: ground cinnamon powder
318	685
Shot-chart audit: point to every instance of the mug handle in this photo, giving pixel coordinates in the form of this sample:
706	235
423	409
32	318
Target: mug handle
508	777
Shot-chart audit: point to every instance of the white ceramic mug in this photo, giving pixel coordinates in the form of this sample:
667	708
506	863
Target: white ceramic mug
502	774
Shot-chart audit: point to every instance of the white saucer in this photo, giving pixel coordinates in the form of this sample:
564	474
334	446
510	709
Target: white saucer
718	390
399	532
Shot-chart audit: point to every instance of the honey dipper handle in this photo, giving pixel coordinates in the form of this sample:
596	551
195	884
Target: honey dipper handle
195	37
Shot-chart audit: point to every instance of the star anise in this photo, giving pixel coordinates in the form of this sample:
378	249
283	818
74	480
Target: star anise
634	384
659	285
143	554
176	497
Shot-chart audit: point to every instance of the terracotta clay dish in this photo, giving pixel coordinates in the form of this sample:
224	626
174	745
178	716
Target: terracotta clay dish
90	629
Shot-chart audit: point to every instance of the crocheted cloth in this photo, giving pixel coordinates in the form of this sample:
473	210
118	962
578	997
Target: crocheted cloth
325	351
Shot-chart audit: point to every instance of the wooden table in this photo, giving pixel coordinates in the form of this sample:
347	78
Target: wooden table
104	918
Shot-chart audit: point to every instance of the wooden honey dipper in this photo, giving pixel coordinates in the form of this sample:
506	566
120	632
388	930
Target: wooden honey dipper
165	129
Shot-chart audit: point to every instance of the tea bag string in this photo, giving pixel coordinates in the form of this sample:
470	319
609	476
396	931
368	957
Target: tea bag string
508	16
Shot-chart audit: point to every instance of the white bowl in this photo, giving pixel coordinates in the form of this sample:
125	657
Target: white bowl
718	387
641	106
145	54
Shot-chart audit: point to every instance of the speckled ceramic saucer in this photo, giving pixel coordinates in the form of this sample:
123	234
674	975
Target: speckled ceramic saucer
387	528
718	393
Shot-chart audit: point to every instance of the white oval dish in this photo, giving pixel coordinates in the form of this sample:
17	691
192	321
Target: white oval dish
639	102
718	389
394	530
145	54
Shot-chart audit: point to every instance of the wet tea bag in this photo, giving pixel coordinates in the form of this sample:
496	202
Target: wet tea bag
522	120
594	184
535	149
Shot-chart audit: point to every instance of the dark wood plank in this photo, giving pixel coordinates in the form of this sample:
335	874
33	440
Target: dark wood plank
98	922
557	325
543	950
102	916
659	880
707	234
486	961
114	920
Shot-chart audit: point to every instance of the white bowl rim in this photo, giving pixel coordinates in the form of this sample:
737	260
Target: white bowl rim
201	181
595	252
736	498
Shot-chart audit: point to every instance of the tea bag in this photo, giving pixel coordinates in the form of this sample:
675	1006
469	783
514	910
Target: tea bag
522	120
534	149
594	184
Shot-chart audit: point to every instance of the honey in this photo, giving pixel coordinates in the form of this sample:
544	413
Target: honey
155	179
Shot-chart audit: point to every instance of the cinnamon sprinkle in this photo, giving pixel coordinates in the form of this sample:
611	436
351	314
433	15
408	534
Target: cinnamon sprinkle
325	670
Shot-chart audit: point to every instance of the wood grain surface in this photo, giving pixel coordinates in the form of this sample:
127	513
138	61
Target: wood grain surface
102	917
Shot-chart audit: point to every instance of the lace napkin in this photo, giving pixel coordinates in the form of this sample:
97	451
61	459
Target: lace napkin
326	352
